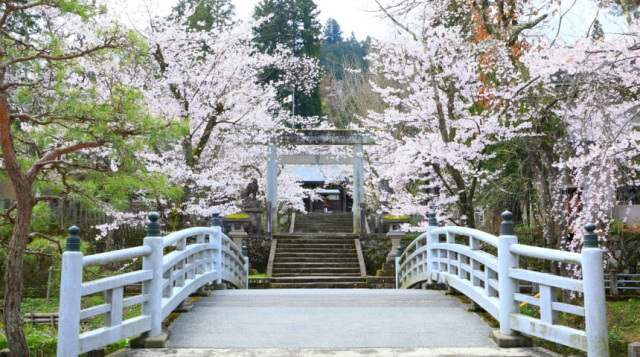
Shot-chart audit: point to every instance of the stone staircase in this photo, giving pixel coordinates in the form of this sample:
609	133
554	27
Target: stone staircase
333	222
316	260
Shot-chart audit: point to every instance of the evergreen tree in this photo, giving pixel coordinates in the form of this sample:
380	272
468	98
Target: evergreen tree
338	54
293	24
332	32
207	14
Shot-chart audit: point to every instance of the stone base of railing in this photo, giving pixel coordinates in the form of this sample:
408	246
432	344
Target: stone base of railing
5	352
185	306
96	353
144	341
634	349
259	283
381	282
509	341
434	286
222	286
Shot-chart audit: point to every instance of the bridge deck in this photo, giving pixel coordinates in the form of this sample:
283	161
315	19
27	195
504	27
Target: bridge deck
314	322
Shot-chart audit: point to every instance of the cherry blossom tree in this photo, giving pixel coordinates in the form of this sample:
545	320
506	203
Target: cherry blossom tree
484	85
210	87
594	98
450	75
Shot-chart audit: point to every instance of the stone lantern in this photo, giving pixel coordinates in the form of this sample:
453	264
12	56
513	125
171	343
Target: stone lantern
238	222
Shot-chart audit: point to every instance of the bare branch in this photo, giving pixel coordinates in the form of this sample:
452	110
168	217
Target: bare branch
7	213
49	238
28	117
529	25
560	22
12	8
392	18
56	153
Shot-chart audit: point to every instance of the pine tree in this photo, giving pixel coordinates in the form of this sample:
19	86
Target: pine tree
207	14
293	24
332	32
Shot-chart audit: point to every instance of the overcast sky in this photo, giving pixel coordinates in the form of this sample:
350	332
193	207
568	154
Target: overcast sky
352	15
359	16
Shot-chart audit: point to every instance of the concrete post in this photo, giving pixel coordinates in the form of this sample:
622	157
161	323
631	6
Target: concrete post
507	287
272	186
70	296
153	288
595	307
358	186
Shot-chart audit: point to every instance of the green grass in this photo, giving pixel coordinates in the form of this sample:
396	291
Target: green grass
42	339
624	324
258	276
623	318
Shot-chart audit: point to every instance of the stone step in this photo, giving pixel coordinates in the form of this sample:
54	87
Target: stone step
284	242
315	250
315	236
316	271
328	246
318	285
315	254
319	282
325	223
325	230
307	264
346	258
317	259
317	241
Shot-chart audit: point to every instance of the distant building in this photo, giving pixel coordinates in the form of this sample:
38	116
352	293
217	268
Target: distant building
327	182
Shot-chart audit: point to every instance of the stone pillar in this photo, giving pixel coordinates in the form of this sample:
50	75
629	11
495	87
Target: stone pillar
358	186
272	185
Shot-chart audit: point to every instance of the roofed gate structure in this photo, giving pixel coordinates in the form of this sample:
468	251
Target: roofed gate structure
317	137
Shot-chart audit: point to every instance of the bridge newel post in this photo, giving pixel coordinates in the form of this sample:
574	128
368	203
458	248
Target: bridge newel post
507	286
153	262
70	296
594	294
216	224
431	239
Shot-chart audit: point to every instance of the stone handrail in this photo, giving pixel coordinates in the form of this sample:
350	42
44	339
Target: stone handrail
486	269
198	256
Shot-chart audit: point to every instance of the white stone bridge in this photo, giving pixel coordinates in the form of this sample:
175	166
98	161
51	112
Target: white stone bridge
356	322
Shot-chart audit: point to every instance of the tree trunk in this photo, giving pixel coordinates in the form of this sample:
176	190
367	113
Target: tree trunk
14	278
18	245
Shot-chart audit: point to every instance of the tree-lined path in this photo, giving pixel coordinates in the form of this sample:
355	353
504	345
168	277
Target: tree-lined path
330	322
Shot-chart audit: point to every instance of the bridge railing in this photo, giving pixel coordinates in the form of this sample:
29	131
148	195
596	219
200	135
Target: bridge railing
487	269
197	257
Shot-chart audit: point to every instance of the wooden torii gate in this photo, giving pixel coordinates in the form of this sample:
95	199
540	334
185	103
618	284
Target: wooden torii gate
317	137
